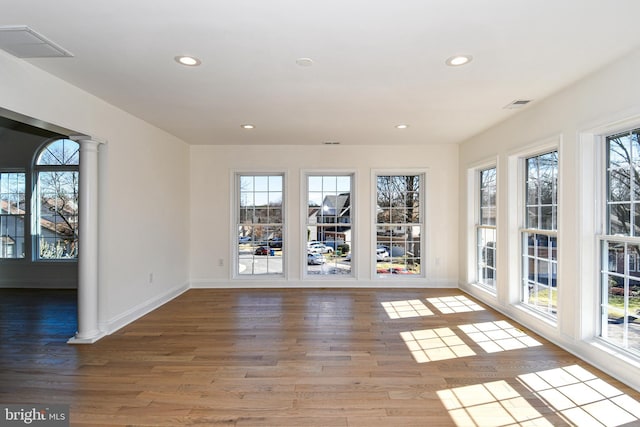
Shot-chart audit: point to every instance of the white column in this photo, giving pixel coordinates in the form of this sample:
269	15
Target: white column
88	331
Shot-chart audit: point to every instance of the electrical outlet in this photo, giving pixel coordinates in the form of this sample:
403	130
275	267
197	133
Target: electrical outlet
150	277
220	262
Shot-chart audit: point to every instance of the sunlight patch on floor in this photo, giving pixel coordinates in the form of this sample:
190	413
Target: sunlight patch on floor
490	404
498	336
454	304
406	309
435	344
582	398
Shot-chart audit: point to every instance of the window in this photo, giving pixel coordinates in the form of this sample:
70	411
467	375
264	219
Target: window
329	223
539	235
12	214
399	225
486	229
620	285
260	224
56	219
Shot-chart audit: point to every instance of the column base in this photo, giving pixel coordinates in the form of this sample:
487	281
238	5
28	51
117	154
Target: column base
87	340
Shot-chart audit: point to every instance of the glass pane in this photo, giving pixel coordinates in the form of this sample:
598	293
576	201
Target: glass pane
246	215
275	183
61	152
58	221
315	198
532	217
615	257
261	183
343	184
619	150
246	199
275	216
315	183
619	218
275	198
12	236
246	183
329	184
261	216
619	185
546	218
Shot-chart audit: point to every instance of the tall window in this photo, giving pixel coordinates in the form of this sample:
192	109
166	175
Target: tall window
486	229
620	265
260	224
56	219
540	234
329	224
12	214
399	225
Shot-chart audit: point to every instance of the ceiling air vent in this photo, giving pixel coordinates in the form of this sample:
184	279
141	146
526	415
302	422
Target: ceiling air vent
518	103
23	42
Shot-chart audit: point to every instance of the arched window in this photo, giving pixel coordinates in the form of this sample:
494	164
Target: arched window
55	210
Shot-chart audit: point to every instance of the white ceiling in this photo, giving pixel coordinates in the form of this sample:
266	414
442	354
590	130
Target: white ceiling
377	63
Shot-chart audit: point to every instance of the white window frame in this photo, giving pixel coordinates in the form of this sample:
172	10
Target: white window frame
603	238
304	221
544	147
423	173
478	227
235	223
23	216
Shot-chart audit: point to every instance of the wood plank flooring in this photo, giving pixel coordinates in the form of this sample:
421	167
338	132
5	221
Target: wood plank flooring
303	357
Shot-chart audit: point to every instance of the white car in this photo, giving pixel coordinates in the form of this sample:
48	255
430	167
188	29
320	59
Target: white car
382	254
320	248
315	259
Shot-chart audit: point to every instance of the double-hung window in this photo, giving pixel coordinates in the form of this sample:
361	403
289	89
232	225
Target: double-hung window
329	224
260	224
620	260
539	236
12	214
399	224
486	228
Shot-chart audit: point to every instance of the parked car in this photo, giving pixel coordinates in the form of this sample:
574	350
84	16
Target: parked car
382	254
315	258
262	250
244	239
319	248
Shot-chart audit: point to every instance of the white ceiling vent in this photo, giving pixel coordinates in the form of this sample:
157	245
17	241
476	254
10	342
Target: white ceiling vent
518	103
23	42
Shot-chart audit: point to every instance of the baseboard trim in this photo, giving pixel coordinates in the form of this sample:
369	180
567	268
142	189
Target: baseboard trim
280	284
122	320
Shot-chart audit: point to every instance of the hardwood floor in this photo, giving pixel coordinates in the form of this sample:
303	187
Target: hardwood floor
297	357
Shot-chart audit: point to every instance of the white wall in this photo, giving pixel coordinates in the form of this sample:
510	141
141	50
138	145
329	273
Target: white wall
600	101
144	190
212	169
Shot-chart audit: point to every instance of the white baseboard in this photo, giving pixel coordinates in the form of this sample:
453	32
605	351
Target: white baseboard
123	319
329	283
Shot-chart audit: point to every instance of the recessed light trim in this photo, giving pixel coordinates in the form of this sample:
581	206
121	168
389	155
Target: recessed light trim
248	126
189	61
402	126
458	60
304	62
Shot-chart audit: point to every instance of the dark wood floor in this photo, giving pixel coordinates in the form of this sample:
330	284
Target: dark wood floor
295	357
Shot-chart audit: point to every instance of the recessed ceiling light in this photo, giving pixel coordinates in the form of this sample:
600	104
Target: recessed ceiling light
304	62
402	126
189	61
458	60
248	126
